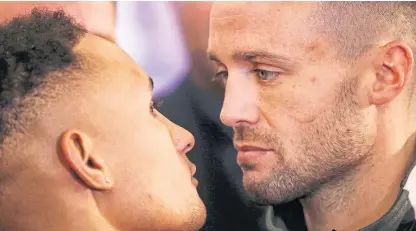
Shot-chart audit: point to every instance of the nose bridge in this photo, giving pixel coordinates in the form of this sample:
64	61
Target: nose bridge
240	101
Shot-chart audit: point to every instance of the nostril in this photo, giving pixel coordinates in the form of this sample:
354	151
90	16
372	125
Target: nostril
183	146
188	147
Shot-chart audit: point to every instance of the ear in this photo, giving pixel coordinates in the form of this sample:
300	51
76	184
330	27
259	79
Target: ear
393	72
87	165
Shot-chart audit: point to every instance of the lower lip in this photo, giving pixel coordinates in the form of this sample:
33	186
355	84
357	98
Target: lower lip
250	156
194	181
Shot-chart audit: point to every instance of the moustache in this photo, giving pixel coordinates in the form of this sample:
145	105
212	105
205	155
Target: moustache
256	135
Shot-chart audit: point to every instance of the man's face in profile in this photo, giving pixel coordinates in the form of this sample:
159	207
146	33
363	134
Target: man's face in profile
290	101
144	152
92	135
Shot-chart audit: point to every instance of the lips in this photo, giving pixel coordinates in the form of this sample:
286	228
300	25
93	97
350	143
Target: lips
194	181
187	164
192	169
250	148
250	153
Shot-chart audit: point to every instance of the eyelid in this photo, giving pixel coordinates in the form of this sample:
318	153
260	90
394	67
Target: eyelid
218	65
267	67
275	72
218	76
216	62
274	68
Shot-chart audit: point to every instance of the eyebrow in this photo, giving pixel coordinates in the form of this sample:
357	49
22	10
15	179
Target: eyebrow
253	56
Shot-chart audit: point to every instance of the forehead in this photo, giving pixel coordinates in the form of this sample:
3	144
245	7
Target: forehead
104	51
268	26
111	62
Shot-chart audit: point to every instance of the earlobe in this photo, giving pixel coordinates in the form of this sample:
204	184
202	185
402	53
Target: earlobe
77	151
393	73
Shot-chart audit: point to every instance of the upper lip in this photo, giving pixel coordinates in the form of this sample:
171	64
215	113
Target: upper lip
247	148
192	169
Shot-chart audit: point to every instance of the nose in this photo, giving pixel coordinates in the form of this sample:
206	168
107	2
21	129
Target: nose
183	140
240	101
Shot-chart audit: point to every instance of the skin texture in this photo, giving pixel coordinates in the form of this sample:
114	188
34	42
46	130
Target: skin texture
98	156
308	124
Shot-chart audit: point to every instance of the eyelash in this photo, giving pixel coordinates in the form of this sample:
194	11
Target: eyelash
275	73
155	106
219	77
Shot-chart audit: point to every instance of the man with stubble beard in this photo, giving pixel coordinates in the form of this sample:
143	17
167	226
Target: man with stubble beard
321	100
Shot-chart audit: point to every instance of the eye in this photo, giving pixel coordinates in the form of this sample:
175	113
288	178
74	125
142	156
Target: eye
154	106
221	77
266	75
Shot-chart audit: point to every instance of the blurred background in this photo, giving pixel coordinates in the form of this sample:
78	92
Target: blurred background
169	40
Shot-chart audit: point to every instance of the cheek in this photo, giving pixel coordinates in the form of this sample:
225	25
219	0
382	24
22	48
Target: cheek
139	148
153	165
298	101
149	147
148	170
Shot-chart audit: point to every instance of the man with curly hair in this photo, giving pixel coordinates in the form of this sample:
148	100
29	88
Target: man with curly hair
81	145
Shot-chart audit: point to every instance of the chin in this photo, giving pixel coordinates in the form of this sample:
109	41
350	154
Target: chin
278	189
196	218
189	218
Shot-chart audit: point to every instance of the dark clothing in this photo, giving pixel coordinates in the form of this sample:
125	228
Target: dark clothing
220	177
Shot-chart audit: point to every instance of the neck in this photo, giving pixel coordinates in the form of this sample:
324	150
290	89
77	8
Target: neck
48	212
359	198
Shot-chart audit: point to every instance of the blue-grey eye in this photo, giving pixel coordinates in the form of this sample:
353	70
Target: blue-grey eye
266	75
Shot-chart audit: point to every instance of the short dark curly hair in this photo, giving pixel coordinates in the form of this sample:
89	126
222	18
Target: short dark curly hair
33	48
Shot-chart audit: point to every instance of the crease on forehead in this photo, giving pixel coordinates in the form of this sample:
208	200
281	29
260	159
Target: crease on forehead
272	19
222	10
262	17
